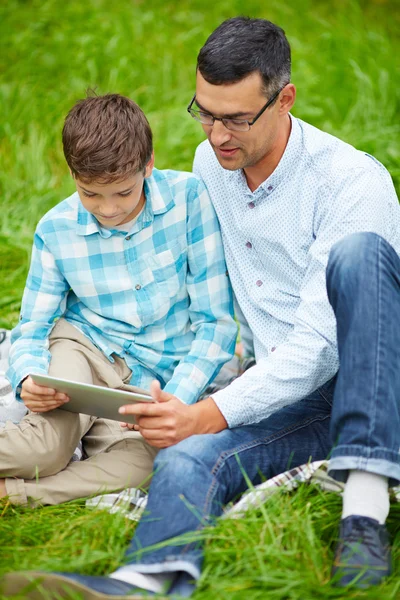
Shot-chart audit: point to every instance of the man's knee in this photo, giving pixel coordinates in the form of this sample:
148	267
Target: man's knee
352	250
352	256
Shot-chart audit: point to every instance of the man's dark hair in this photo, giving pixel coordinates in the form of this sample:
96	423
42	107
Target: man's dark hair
241	46
106	138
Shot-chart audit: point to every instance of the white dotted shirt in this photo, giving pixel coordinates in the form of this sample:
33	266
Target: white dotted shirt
277	241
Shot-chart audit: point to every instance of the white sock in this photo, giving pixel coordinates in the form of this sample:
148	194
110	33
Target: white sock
152	582
366	494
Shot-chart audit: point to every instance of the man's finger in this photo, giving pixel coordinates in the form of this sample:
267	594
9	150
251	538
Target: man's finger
153	423
149	409
156	438
157	394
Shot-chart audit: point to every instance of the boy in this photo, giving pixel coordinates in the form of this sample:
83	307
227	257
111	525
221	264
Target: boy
127	285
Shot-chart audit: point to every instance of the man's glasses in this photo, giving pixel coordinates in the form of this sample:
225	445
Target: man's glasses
233	124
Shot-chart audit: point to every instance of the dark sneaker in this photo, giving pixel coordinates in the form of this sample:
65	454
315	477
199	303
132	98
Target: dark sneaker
362	555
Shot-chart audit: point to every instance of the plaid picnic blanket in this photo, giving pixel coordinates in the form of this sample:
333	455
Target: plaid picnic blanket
132	502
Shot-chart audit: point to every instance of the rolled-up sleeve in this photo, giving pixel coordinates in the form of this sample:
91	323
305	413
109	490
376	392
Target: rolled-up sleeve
211	303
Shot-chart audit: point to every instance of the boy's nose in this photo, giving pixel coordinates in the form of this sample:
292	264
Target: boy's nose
109	210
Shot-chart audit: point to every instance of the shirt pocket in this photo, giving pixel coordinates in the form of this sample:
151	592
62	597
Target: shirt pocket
169	269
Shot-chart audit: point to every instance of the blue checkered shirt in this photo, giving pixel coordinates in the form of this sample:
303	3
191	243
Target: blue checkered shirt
157	296
277	241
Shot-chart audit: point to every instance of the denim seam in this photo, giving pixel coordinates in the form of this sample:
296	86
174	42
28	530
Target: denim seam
373	408
365	452
325	397
223	457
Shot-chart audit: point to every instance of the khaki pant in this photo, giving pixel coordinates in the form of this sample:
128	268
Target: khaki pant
35	454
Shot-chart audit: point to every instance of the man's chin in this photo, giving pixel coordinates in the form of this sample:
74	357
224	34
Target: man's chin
230	164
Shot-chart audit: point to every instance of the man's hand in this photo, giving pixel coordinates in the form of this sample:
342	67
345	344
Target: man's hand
39	398
167	421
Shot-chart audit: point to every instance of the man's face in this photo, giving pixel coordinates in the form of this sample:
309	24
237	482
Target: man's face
241	100
114	203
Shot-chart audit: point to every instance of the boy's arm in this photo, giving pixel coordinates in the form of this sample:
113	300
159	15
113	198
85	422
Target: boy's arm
211	305
43	302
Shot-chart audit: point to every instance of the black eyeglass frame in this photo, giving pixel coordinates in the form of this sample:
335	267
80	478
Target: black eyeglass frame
223	119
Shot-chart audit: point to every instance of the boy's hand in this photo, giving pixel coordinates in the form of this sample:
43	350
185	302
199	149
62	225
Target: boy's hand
168	421
39	398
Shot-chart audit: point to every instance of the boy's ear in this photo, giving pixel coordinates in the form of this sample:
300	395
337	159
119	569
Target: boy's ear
149	167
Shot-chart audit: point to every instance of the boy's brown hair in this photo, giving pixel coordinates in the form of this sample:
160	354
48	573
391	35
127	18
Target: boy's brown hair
106	138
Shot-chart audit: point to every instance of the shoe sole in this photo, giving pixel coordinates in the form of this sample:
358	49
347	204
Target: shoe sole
36	585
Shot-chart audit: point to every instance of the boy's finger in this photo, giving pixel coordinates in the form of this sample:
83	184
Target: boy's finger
128	425
43	406
59	398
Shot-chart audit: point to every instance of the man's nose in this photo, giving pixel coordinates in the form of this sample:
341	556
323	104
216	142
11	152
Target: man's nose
219	134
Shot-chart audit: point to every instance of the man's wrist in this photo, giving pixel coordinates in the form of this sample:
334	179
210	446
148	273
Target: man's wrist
208	417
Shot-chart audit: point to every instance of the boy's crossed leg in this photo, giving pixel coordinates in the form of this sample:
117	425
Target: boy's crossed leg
35	454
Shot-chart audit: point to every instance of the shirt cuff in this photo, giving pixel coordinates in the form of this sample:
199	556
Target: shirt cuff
226	403
188	387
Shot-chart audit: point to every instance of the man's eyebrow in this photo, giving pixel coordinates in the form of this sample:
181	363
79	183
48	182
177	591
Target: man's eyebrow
230	116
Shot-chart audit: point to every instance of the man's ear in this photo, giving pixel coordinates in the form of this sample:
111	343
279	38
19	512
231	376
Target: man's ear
149	167
287	99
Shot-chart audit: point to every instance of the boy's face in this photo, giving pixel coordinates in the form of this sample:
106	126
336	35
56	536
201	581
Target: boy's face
114	203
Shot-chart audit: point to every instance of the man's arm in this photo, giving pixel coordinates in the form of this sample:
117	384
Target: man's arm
308	357
43	302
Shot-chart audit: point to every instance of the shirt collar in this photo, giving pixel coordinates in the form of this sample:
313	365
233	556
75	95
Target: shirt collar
284	167
87	224
159	200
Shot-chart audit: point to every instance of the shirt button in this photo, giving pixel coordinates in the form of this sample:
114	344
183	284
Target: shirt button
138	286
249	245
259	282
251	205
270	187
273	348
128	237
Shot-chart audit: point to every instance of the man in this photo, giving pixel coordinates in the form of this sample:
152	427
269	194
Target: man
287	197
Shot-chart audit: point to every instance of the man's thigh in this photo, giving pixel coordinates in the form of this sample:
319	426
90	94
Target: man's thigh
294	435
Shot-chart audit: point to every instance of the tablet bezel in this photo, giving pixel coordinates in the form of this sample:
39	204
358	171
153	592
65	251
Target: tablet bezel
93	400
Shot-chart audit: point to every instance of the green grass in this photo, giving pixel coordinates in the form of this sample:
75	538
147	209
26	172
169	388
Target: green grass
346	68
282	552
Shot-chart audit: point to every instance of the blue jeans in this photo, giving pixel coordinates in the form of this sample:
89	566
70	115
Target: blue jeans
354	418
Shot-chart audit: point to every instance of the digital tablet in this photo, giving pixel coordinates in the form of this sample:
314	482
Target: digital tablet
93	399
